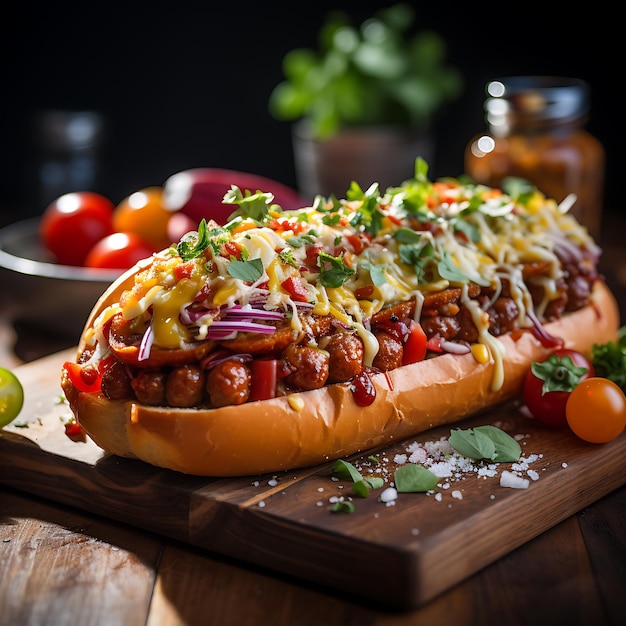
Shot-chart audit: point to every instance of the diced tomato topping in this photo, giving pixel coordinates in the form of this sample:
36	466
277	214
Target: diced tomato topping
184	270
356	242
362	293
415	344
231	249
282	225
434	344
74	430
294	287
84	378
312	252
263	379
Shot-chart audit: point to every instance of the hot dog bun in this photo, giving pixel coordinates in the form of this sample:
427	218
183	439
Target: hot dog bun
312	427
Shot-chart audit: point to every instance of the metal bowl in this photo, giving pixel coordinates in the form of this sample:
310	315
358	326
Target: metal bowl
39	292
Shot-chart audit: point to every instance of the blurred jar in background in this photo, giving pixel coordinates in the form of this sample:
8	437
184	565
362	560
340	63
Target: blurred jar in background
537	132
67	145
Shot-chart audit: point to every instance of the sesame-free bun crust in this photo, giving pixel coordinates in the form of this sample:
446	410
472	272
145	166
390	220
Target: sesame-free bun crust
326	423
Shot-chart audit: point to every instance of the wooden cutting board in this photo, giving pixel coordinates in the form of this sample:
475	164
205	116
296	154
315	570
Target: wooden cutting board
400	555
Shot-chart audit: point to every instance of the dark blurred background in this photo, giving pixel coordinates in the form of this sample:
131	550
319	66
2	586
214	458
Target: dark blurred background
186	84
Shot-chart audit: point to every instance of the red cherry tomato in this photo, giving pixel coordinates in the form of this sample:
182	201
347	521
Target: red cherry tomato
415	345
549	407
118	251
596	410
72	224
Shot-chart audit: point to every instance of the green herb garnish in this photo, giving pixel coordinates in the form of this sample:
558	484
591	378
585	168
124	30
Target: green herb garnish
248	271
485	442
334	272
412	478
609	359
255	206
192	245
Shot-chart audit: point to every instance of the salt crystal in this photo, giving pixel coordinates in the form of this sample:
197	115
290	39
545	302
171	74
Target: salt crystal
509	479
388	495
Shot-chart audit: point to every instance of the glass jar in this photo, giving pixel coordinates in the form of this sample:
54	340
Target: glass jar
536	132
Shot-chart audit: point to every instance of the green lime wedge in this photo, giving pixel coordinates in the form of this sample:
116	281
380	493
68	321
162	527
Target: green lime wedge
11	396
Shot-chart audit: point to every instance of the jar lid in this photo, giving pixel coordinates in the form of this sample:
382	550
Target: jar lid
536	101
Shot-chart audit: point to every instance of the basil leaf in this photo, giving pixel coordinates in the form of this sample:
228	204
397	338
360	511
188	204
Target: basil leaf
485	442
507	449
361	489
248	271
374	482
414	478
345	470
344	506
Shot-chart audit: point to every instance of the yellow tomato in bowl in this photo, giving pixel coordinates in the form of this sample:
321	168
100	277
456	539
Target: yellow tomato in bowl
144	214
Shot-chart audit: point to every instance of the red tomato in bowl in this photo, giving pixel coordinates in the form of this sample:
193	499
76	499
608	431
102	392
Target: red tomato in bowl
118	251
73	223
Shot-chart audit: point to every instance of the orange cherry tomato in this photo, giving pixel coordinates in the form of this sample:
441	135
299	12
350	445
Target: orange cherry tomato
596	410
144	214
118	251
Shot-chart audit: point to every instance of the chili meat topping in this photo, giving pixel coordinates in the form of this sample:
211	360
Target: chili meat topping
275	302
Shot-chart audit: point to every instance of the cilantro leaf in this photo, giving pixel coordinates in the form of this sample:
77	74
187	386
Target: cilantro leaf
192	245
256	206
334	272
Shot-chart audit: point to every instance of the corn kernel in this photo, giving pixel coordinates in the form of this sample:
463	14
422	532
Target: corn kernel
295	402
480	352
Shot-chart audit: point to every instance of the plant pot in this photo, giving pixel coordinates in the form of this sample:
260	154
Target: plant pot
381	154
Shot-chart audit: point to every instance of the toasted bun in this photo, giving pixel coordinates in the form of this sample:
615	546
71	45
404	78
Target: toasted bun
315	426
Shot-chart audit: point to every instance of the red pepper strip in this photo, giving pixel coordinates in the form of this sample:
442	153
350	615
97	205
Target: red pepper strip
294	287
84	378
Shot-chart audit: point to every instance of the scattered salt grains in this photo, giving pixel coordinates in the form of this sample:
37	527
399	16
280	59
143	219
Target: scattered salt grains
532	474
457	494
272	482
563	465
261	504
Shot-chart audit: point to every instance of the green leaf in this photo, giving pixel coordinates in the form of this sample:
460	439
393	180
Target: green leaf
377	272
255	206
485	442
346	471
448	269
343	506
248	271
361	489
609	359
333	271
193	246
413	478
507	449
374	482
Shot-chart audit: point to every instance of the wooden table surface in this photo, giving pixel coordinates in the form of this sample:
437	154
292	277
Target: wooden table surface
59	565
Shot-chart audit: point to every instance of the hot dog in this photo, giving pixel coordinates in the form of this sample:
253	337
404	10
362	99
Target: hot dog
284	339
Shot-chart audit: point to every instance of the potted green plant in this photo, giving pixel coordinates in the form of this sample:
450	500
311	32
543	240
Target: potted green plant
364	105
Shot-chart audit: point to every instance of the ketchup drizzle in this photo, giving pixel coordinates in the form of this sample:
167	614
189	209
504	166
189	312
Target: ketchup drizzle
363	390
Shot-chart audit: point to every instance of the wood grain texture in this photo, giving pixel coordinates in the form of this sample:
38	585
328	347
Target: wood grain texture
282	523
